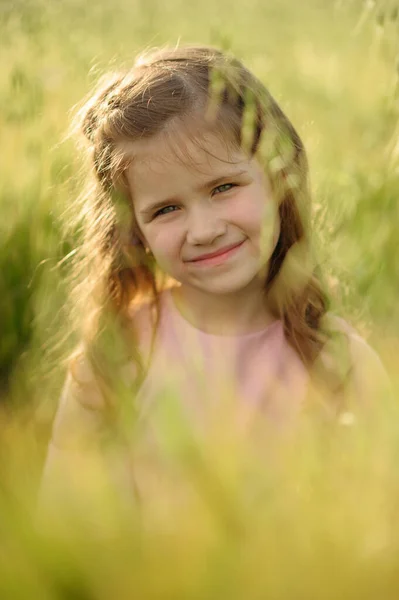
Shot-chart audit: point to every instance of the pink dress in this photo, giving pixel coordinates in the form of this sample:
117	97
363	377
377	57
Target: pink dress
198	387
210	377
201	389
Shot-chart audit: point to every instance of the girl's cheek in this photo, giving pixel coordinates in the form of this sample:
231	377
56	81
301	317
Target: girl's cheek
247	216
164	242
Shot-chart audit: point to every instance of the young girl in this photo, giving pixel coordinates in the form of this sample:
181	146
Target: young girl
199	295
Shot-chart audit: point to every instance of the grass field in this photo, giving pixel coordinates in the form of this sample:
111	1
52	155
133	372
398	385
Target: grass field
326	525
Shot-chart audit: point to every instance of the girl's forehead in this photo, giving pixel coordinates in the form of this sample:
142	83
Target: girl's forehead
196	155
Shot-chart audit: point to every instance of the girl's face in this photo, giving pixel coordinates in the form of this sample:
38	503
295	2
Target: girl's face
208	218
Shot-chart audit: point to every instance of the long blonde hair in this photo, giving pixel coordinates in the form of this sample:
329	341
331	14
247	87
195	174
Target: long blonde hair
171	86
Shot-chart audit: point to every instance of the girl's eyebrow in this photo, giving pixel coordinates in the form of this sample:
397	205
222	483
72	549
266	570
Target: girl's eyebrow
203	186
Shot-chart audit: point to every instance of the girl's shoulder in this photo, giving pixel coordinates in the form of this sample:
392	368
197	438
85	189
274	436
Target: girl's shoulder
81	405
368	377
82	387
360	351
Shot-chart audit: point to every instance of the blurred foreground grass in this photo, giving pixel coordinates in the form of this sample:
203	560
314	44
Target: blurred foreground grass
325	522
314	514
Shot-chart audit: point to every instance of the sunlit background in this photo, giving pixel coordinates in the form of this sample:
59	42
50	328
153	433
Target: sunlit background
323	529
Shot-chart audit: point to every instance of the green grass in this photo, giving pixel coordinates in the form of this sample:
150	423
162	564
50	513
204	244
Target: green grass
325	522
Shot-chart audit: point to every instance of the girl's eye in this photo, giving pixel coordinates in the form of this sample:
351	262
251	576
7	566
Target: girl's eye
163	211
225	187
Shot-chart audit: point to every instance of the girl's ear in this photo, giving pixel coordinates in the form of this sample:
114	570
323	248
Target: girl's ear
137	238
138	241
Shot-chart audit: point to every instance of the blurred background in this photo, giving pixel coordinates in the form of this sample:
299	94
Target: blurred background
333	66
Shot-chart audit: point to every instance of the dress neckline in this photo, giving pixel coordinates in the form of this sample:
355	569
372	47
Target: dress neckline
168	296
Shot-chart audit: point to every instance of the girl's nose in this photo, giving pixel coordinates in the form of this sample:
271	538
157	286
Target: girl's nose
204	227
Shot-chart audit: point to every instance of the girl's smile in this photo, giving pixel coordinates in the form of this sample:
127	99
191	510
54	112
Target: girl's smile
219	257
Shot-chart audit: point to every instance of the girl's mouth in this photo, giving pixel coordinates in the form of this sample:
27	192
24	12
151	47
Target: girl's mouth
217	259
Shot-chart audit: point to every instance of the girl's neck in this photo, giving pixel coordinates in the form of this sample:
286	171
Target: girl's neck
243	312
